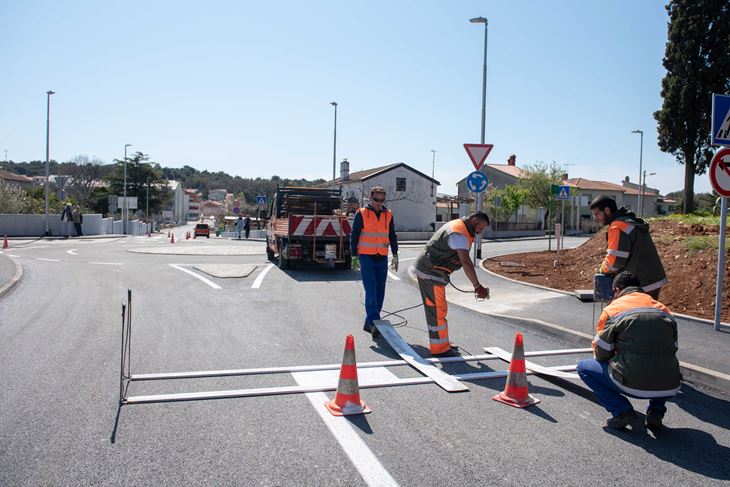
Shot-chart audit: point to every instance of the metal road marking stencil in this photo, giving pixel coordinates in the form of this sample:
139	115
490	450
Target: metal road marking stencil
538	369
446	381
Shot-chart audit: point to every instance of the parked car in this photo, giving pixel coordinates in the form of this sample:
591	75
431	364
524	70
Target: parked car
202	229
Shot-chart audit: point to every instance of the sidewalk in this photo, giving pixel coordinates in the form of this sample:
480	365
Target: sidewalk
703	352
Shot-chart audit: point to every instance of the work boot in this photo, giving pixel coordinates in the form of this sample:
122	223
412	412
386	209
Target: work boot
622	420
654	419
370	328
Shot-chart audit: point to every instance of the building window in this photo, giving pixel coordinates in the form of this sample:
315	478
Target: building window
400	184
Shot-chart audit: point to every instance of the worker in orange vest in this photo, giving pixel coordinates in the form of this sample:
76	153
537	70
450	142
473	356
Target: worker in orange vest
373	231
445	252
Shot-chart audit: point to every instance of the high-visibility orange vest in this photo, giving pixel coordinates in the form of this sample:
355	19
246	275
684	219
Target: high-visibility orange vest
374	238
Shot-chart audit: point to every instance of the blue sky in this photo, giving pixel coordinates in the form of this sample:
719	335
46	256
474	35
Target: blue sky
245	87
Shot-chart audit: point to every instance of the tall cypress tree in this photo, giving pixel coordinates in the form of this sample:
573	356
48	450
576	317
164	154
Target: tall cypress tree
697	60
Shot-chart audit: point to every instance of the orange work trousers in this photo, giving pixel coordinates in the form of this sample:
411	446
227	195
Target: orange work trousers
434	303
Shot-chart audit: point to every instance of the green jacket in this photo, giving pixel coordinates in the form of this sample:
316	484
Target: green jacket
629	247
437	259
639	341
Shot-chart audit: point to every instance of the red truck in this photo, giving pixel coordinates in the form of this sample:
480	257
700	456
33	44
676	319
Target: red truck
308	225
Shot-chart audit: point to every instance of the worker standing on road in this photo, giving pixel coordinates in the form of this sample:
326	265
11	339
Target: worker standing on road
446	252
373	231
635	352
629	246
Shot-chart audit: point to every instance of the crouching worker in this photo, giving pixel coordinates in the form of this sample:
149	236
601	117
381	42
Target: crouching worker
635	352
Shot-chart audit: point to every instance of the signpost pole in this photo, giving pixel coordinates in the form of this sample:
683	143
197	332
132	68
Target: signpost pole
550	210
562	223
720	263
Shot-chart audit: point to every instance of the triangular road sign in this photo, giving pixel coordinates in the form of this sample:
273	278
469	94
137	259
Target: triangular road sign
478	153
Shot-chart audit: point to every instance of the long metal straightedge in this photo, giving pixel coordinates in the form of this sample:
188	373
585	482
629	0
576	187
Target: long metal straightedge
531	366
447	382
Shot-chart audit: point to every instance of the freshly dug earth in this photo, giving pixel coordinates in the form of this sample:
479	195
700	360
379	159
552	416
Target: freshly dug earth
691	272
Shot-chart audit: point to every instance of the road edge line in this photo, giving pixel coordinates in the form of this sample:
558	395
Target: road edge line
8	286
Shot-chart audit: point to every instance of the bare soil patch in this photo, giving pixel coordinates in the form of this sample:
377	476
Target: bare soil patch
691	271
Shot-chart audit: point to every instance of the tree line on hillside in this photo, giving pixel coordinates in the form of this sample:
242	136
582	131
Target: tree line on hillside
89	182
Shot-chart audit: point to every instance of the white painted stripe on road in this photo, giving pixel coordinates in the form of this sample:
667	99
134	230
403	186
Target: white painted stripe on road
197	276
257	283
48	260
393	276
107	263
367	464
72	252
409	258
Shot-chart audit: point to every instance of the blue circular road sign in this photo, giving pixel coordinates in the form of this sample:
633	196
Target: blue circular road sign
477	182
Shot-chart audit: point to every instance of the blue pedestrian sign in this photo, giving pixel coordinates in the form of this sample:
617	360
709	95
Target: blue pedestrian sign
477	182
721	120
563	193
261	200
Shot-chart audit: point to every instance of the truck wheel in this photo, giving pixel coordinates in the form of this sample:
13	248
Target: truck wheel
283	263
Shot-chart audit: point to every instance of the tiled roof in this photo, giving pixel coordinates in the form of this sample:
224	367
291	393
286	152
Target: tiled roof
369	173
11	176
513	171
582	183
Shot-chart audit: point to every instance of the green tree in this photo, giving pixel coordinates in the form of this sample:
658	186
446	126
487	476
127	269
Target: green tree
536	181
503	203
697	60
139	173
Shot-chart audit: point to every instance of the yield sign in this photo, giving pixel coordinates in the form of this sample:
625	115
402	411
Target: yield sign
478	153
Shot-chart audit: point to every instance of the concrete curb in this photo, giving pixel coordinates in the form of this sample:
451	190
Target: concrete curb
8	286
694	319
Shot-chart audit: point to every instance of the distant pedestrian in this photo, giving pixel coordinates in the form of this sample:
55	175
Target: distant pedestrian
239	227
629	246
635	352
78	219
66	220
247	225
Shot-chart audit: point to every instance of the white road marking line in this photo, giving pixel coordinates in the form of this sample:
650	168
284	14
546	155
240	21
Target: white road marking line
47	260
107	263
197	276
367	464
393	276
409	258
257	283
72	252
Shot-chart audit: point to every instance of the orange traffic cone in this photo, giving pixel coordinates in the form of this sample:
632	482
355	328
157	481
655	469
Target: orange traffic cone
515	391
6	245
172	239
347	398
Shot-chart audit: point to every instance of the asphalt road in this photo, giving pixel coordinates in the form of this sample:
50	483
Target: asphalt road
59	383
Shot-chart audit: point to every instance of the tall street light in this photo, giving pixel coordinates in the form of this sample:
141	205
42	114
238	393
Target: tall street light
124	205
481	20
643	192
433	170
48	139
641	157
334	148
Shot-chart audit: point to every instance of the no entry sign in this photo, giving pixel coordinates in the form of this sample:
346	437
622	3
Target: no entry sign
720	172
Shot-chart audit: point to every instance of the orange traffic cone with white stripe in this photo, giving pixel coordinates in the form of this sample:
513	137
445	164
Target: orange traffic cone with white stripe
515	391
347	399
6	245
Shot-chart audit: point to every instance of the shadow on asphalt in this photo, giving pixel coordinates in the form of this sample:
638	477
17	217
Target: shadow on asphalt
361	422
687	448
706	408
323	272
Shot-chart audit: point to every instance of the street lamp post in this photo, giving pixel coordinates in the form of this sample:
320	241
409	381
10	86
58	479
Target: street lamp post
147	206
124	205
641	157
643	192
481	20
334	147
433	169
48	139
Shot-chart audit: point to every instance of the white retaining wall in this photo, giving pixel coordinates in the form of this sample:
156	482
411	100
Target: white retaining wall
21	225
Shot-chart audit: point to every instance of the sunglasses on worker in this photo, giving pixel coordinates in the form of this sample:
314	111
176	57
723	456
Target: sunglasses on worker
377	200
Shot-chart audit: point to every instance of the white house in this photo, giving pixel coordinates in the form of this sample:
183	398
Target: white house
410	194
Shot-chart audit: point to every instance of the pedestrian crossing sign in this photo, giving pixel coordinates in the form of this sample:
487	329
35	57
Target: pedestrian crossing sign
261	200
563	193
721	120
